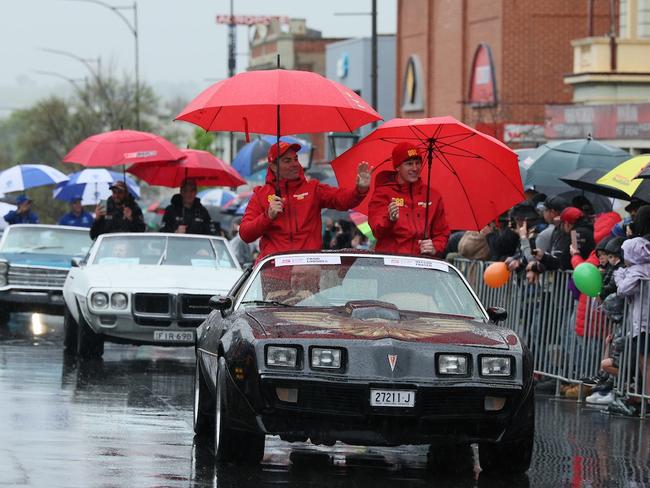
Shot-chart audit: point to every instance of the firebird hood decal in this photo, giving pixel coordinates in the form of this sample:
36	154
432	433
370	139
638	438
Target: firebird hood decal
333	325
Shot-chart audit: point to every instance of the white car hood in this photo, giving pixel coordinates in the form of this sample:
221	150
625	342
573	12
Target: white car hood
168	278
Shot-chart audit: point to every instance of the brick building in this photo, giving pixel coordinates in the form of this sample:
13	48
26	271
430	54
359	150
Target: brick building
493	64
299	48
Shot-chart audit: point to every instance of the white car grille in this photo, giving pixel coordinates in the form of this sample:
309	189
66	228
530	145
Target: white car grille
28	276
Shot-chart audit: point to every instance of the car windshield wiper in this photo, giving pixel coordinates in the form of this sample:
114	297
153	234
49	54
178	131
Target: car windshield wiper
38	248
266	302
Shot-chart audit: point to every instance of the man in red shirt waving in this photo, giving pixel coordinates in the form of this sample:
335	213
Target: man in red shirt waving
396	213
292	221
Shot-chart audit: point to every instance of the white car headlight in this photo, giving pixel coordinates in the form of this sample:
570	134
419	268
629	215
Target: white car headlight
452	364
282	357
99	300
326	358
119	301
496	366
4	267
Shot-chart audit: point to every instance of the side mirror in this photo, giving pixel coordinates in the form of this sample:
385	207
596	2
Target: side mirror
76	262
220	302
497	314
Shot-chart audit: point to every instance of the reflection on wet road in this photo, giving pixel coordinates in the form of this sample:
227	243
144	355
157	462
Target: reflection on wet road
126	421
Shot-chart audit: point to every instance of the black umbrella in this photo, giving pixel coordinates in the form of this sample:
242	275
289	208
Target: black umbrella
586	178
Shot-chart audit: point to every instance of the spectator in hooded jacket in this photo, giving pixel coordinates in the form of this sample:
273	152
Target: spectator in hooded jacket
121	213
77	216
186	214
23	213
396	213
292	220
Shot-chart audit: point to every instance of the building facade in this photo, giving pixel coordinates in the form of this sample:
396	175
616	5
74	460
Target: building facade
349	62
493	64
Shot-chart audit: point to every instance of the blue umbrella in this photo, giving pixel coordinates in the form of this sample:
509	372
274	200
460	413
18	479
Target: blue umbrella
215	197
24	176
252	157
92	185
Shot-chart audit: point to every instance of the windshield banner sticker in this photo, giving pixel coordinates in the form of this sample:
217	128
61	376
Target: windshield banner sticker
416	263
306	260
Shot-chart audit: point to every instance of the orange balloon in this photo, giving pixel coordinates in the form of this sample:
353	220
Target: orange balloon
496	275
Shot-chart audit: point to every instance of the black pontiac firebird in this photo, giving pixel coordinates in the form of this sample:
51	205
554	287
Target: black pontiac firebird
366	349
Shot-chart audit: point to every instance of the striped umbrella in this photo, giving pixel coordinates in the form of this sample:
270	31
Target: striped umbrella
24	176
92	186
216	197
361	221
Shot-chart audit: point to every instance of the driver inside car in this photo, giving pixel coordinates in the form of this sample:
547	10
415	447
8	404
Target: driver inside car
304	283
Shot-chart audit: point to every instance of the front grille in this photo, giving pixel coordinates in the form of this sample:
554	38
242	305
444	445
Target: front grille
195	304
152	322
152	303
28	276
325	398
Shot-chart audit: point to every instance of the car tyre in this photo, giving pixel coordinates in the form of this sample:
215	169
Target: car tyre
5	315
203	403
89	344
70	332
231	445
514	453
450	459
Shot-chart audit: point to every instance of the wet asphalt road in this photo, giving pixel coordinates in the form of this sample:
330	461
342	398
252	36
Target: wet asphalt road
126	421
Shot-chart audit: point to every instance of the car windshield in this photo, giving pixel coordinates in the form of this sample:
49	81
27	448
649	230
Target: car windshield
163	251
411	284
46	240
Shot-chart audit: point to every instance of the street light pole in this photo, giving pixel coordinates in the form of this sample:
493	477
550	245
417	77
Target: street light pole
134	30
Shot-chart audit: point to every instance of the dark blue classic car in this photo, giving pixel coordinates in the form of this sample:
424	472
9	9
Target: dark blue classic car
34	262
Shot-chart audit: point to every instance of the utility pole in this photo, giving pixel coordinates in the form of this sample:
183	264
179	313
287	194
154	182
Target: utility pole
232	64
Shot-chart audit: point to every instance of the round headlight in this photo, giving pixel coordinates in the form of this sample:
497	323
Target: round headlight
99	300
4	267
119	301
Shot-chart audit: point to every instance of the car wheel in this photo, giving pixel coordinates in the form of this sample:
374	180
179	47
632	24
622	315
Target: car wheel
230	445
89	344
203	403
514	453
450	458
4	316
70	332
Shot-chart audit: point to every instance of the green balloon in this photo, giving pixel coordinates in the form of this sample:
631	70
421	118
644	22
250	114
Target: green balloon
588	279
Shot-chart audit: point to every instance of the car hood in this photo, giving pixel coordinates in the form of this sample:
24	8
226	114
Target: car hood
167	278
332	324
37	259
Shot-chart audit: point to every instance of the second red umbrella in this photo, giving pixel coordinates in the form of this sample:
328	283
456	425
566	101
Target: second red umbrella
122	147
202	166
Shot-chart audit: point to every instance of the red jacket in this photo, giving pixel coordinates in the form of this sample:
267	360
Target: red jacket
602	227
299	226
402	236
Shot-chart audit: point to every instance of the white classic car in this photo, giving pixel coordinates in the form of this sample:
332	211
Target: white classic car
144	289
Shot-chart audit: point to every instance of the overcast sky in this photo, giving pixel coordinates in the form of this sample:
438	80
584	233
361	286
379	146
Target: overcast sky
181	46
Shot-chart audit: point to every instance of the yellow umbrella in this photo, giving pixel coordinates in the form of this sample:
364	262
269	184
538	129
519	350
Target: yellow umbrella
624	176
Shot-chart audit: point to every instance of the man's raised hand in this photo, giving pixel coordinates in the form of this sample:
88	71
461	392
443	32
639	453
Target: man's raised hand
363	177
275	207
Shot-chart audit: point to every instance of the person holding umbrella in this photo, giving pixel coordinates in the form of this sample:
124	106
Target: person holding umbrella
121	213
291	220
77	216
186	214
23	214
397	209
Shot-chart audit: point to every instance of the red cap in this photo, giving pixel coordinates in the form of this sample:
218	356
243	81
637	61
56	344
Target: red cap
284	147
571	215
403	152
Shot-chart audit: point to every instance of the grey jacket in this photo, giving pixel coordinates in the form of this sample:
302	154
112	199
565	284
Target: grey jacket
632	282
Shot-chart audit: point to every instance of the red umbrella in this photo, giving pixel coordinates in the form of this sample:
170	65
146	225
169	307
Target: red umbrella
202	166
476	175
123	147
278	102
253	100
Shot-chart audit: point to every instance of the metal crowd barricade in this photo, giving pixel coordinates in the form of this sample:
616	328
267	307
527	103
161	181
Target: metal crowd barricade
544	315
